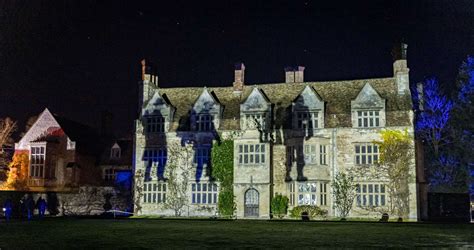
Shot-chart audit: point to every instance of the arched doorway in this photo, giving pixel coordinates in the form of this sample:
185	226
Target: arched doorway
251	203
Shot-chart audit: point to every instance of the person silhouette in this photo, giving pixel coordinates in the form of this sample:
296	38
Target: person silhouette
7	208
41	204
30	206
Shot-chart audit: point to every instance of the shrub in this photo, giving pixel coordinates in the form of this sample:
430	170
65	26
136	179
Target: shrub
312	211
279	205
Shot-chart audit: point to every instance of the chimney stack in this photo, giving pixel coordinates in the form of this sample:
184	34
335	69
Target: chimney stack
294	74
149	82
239	77
400	68
149	73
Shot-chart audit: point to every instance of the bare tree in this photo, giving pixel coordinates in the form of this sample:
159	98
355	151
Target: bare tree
344	193
7	127
138	190
178	172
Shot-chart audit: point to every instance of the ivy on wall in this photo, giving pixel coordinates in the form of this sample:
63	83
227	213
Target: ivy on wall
223	170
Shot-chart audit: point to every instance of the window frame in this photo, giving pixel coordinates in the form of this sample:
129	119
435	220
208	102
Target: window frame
202	155
199	196
371	195
37	161
204	122
311	118
155	124
370	118
251	154
157	157
155	192
362	156
298	154
260	117
109	174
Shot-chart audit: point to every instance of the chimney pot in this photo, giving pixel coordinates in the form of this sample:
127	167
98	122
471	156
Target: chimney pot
294	74
239	77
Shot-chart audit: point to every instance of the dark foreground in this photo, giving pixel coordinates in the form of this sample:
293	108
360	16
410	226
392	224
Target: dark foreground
148	233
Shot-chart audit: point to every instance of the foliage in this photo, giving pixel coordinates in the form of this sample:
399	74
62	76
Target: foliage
226	204
279	205
138	178
439	125
177	172
312	211
432	121
343	188
396	154
17	176
7	127
463	126
223	170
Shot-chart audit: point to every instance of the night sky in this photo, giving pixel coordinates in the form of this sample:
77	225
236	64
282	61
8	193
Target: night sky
79	58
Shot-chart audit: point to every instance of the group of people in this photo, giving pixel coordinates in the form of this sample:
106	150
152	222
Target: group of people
27	207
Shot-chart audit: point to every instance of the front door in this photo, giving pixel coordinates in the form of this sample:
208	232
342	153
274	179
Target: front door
251	203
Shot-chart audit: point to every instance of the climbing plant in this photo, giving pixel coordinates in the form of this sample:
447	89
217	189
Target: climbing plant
396	154
223	170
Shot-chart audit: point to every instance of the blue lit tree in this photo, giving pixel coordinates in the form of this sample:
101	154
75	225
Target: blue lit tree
432	121
434	126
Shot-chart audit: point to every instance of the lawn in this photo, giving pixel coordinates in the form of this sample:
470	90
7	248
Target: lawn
165	233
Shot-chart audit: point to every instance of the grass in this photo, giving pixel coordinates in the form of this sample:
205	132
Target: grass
62	233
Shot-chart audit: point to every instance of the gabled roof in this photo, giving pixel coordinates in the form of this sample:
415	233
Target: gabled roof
368	98
49	125
308	99
256	101
336	94
206	102
156	103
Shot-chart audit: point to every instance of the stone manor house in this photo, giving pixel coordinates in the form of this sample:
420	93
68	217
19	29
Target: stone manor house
289	138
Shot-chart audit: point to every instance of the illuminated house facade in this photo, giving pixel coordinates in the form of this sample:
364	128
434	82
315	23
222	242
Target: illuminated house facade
289	138
62	154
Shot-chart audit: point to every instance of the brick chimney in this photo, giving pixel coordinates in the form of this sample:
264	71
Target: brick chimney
149	82
294	74
239	77
299	74
400	68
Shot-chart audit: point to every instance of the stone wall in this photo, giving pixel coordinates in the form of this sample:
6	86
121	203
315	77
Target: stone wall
83	201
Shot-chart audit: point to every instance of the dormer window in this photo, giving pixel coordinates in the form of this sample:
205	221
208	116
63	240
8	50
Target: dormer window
206	112
157	114
255	112
307	120
254	121
368	119
368	109
308	110
115	152
155	124
204	122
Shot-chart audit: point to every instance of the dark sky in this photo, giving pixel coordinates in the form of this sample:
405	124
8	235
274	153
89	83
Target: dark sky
81	57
